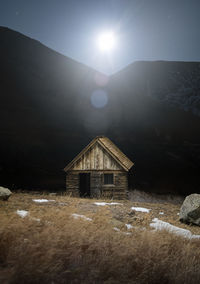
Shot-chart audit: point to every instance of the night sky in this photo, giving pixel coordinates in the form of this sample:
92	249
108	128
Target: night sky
146	29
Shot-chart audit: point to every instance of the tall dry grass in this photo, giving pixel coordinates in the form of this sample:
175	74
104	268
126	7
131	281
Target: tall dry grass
150	197
59	249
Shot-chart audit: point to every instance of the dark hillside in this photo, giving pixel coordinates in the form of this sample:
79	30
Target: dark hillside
40	96
165	136
46	117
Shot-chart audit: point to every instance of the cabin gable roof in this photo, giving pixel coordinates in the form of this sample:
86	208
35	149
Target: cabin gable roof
120	158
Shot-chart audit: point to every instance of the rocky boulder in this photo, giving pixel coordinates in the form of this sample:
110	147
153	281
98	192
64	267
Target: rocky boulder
5	193
190	209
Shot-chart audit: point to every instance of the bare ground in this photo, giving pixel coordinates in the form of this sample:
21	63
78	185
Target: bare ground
50	246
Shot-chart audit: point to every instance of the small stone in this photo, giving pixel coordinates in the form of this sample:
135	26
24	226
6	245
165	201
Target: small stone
5	193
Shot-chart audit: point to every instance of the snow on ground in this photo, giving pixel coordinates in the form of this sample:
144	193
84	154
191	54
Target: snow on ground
161	213
77	216
22	213
161	225
116	229
106	203
141	209
128	226
124	233
43	200
35	219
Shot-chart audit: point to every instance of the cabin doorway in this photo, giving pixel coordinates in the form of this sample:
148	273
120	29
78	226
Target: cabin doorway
84	185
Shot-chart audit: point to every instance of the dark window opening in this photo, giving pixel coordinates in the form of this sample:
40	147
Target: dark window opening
108	179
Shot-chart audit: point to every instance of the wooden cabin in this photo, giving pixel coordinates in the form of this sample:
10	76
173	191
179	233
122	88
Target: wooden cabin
100	170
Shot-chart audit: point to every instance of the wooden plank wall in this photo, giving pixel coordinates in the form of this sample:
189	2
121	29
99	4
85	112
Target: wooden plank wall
97	187
96	184
96	158
119	189
72	184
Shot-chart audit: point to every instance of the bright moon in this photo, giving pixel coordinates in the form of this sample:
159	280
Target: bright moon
106	41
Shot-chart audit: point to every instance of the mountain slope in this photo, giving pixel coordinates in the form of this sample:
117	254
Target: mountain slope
174	83
40	94
165	138
47	117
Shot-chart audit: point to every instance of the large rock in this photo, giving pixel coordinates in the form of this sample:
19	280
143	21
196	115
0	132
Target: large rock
5	193
190	209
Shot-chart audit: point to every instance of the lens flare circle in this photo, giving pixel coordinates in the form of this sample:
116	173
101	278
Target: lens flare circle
99	99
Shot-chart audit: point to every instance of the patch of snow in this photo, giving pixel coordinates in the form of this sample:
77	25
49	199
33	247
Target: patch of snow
22	213
124	233
35	219
43	200
77	216
116	229
128	226
178	214
141	209
161	213
62	203
161	225
195	237
106	203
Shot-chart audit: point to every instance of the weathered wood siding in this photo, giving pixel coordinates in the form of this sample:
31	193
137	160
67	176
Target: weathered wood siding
118	190
96	184
96	158
121	186
72	184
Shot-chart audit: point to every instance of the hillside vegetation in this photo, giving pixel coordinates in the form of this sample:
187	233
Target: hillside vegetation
59	239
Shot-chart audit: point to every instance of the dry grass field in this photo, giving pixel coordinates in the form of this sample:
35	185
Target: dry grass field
51	245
